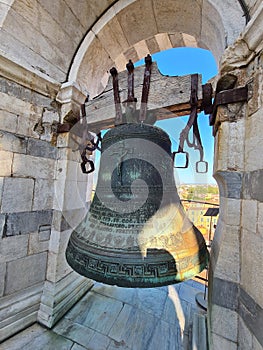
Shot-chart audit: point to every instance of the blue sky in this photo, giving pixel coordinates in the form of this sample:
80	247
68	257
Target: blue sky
183	61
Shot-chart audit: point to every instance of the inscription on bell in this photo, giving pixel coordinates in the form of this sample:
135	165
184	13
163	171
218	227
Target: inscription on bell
136	233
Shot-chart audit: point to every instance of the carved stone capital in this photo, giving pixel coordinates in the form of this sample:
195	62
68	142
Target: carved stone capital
70	97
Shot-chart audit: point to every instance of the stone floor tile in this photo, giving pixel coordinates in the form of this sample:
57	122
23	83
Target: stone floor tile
111	318
186	345
194	284
98	312
165	337
127	295
99	342
133	327
47	340
115	345
78	347
74	331
188	293
78	309
23	338
176	311
151	300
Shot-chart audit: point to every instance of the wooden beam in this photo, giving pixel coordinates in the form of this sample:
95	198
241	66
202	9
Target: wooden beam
169	97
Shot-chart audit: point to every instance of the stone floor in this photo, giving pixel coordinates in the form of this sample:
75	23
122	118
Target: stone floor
109	317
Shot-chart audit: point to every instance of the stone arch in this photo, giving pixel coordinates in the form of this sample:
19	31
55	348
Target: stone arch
117	36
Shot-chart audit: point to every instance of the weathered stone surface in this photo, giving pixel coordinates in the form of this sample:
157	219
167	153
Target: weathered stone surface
59	222
17	195
18	311
44	233
253	143
2	278
29	166
128	328
45	340
12	88
220	343
26	222
40	19
97	305
94	68
99	341
252	188
225	322
19	341
187	14
252	315
230	211
59	296
251	265
6	160
260	220
137	14
16	105
40	148
50	116
228	261
1	189
68	21
43	194
224	294
112	38
244	336
152	45
229	156
26	116
249	215
12	248
255	344
58	267
2	224
32	270
74	331
12	143
8	121
230	183
36	246
77	347
163	41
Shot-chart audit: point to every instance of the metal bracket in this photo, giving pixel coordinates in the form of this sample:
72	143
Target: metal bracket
117	101
146	87
186	159
228	96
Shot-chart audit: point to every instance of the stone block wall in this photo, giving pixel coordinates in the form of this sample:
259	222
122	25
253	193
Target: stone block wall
26	208
39	182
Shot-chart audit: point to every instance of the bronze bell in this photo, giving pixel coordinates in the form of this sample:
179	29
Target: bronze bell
136	233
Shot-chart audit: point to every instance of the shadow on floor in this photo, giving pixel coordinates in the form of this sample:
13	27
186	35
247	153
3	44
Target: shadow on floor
109	318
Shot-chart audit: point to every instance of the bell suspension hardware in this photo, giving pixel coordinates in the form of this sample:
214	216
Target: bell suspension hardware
117	101
130	103
87	144
192	122
132	115
146	88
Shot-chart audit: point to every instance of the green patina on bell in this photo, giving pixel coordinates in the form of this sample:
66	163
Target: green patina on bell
136	233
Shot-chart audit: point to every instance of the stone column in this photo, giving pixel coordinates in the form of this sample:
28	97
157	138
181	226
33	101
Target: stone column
224	270
63	287
236	269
